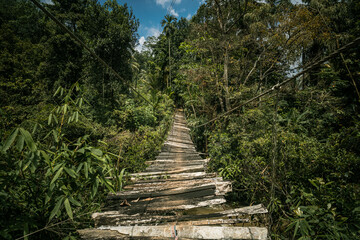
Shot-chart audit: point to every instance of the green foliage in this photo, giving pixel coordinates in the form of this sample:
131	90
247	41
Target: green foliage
316	185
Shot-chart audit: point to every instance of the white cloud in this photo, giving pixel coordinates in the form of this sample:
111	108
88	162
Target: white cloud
153	31
188	16
140	47
201	2
142	40
166	3
173	12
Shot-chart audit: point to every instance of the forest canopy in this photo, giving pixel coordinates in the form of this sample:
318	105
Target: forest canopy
69	125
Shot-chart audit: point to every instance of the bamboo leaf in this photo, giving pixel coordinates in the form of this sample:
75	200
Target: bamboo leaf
10	140
68	208
57	175
26	165
28	139
57	167
79	167
20	143
81	150
75	202
45	156
35	128
57	91
55	135
95	188
296	228
97	152
49	119
55	119
71	172
56	208
121	178
65	108
86	170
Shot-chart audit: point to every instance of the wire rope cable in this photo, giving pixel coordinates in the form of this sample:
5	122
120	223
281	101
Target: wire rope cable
277	86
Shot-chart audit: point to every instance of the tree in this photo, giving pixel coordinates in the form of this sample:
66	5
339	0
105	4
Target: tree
168	24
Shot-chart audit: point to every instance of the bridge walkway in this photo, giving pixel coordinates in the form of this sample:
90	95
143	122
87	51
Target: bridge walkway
175	198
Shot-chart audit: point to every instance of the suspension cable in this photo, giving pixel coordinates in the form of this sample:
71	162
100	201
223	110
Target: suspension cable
277	86
78	40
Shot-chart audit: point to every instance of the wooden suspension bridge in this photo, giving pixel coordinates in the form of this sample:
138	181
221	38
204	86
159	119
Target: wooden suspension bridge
175	198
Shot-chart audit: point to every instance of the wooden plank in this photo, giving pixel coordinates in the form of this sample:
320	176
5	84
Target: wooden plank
179	157
172	178
180	140
187	154
176	205
145	205
167	174
192	232
158	192
167	167
179	145
177	162
163	169
101	234
117	217
163	184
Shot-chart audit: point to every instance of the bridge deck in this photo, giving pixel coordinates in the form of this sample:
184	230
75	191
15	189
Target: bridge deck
175	197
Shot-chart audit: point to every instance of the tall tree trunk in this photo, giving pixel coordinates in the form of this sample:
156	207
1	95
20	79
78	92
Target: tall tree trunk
167	84
219	95
226	77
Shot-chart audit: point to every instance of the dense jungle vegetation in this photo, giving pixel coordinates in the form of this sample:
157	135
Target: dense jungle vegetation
68	125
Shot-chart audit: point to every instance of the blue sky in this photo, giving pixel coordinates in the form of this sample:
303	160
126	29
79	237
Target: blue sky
151	12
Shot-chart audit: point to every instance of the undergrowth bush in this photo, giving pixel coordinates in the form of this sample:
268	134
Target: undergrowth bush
53	177
315	179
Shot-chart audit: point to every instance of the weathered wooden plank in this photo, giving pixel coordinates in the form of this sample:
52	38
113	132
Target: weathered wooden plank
179	157
167	174
146	204
173	177
180	140
178	162
179	145
117	217
101	234
192	232
177	150
187	154
180	182
163	169
167	167
158	192
256	209
176	205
